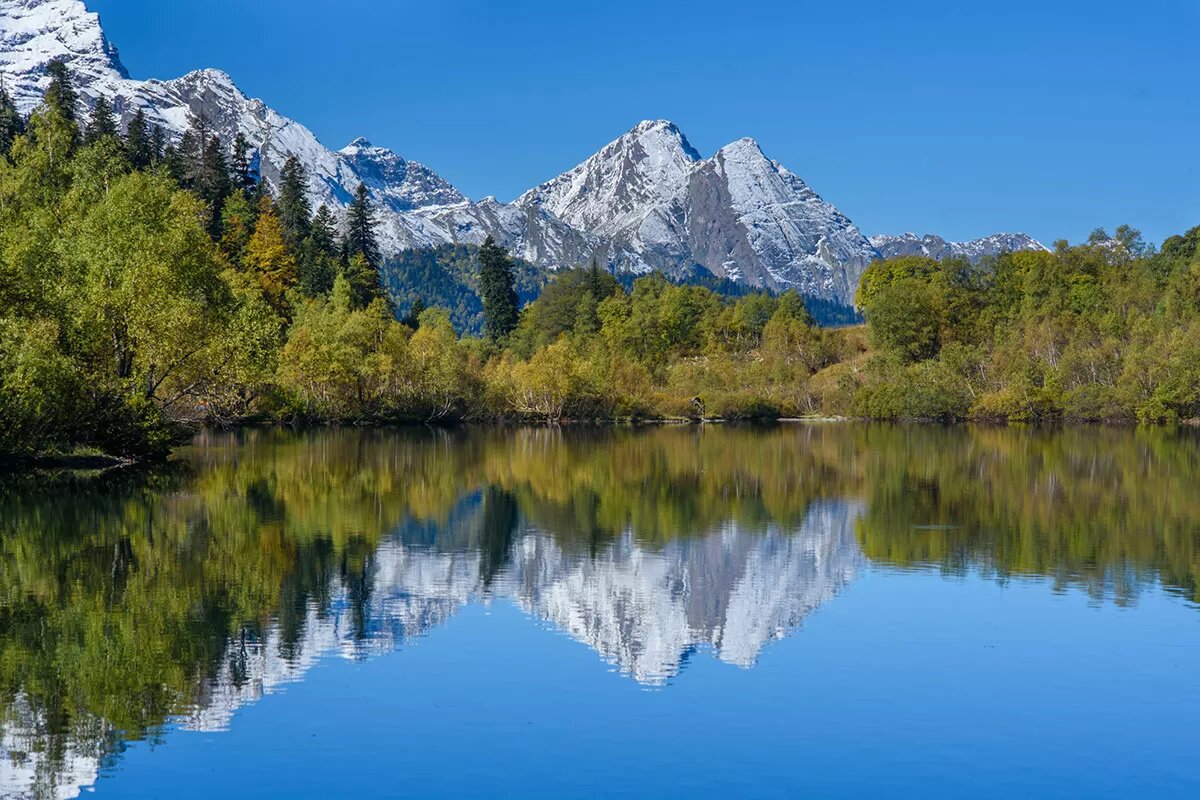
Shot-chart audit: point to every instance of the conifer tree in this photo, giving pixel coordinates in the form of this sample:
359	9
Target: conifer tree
241	169
101	123
318	255
294	211
60	94
324	231
496	289
360	229
211	182
12	124
138	145
158	144
413	318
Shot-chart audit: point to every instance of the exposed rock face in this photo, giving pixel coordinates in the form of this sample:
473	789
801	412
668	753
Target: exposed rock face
646	201
658	205
935	247
754	221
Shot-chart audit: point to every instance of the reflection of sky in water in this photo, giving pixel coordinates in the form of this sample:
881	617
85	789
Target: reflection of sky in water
927	687
945	660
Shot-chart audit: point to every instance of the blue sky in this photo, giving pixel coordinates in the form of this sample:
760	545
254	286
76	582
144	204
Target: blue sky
957	118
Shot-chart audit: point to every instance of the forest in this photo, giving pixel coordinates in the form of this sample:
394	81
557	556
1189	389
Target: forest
150	286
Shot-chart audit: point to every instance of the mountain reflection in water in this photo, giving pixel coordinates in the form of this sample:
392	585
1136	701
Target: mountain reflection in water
134	601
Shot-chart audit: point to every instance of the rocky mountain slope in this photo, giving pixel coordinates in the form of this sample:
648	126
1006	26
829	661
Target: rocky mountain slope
909	244
656	204
645	201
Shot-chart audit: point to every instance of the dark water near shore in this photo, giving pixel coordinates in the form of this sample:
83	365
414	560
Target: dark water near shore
830	610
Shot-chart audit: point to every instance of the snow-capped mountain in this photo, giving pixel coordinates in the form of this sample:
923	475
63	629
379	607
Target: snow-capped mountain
646	201
658	205
935	247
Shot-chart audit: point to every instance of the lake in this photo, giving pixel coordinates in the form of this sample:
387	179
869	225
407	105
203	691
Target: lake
831	610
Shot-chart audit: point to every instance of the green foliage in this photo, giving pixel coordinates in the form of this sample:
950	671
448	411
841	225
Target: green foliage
294	209
12	124
448	277
360	229
127	597
146	288
497	290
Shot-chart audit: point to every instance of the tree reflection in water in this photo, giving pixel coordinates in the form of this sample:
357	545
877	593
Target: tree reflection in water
130	600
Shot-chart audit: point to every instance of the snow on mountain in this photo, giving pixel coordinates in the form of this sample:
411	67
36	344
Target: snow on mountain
753	220
935	247
645	201
658	205
632	193
34	32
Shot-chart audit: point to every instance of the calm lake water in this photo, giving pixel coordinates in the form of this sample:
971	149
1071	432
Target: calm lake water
820	610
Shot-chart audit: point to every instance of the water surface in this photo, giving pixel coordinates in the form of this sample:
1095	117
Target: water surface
832	610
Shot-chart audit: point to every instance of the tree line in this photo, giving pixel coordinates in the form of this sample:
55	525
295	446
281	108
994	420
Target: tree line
150	284
1108	330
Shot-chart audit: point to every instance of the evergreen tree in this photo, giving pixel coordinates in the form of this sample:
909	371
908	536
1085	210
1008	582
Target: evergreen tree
211	182
176	167
360	229
241	168
60	94
323	231
365	286
361	258
158	144
294	210
496	289
413	318
102	123
318	255
138	145
12	124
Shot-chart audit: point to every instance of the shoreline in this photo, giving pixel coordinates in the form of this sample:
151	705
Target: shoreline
101	462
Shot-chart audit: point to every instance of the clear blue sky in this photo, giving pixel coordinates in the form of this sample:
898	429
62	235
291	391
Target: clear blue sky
957	118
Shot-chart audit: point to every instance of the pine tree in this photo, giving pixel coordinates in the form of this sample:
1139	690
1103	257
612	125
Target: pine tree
360	228
294	211
137	142
241	167
211	182
158	144
323	231
496	288
318	257
413	318
365	286
12	124
102	123
60	94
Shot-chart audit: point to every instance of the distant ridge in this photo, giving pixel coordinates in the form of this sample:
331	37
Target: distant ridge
646	201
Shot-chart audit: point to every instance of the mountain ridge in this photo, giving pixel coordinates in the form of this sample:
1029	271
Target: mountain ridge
645	201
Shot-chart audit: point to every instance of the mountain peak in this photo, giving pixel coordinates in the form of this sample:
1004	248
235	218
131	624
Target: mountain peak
660	135
937	248
361	143
655	124
35	32
744	147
